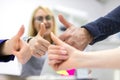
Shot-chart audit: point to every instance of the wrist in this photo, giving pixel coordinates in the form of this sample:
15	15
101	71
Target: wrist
5	48
84	59
88	35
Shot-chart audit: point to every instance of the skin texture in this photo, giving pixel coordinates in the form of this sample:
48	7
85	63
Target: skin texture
75	36
63	54
38	44
18	47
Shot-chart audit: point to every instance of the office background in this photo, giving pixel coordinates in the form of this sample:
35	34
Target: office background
14	13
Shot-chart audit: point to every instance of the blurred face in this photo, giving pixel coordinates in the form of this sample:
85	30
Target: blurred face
43	17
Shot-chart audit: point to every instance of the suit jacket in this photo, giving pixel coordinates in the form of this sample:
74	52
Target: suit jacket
5	58
105	26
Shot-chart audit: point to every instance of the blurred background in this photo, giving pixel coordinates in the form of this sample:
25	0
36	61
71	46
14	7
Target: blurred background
14	13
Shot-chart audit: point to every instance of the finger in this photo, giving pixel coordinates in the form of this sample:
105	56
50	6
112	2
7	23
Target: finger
64	22
34	53
52	62
42	29
42	53
17	38
44	43
57	49
58	57
64	36
37	55
39	52
56	40
59	42
20	32
40	47
16	53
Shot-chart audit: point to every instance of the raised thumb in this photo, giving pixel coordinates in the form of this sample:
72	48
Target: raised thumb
64	21
56	40
42	30
20	32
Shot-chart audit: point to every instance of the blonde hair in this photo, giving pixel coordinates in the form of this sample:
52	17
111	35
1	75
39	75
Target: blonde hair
32	31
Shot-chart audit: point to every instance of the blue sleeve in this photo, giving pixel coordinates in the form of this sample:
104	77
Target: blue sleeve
104	26
5	58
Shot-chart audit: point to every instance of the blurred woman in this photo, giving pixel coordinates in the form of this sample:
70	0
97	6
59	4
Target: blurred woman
42	23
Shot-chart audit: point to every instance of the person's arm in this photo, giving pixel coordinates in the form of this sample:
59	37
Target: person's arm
104	26
102	59
15	47
75	36
63	54
91	32
3	56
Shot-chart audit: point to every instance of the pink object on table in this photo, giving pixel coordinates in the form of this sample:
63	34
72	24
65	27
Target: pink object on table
71	72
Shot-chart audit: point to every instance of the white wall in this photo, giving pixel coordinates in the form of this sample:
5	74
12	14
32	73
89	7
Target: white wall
14	13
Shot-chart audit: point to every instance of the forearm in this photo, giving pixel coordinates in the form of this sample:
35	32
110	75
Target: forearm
5	48
4	57
101	59
105	26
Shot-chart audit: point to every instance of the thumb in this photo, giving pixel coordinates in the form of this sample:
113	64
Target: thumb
56	40
64	22
16	40
42	29
59	42
20	32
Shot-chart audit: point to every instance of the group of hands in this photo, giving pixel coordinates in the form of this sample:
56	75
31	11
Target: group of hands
62	54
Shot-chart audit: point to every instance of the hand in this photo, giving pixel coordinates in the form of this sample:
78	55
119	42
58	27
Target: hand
18	47
77	37
62	56
38	44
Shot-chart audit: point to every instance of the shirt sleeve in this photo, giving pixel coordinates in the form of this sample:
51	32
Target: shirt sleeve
104	26
5	58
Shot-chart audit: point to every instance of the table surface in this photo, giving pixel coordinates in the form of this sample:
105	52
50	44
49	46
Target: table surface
43	77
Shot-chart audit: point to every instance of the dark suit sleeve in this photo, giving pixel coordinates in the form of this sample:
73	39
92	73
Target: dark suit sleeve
105	26
5	58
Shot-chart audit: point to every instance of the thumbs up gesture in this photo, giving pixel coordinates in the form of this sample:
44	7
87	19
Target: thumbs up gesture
75	36
62	56
18	47
38	44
